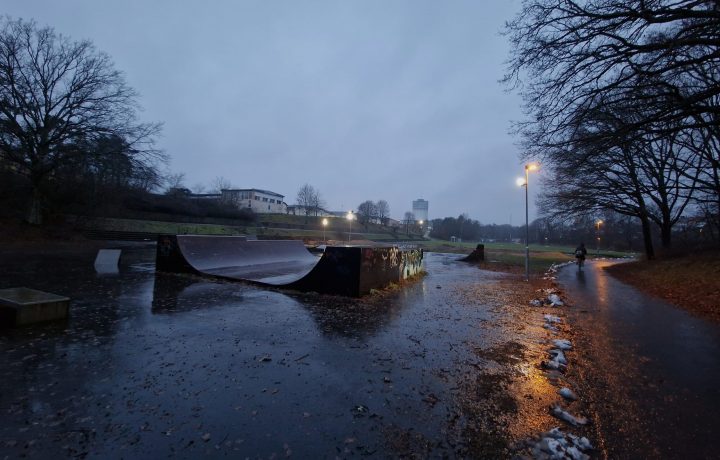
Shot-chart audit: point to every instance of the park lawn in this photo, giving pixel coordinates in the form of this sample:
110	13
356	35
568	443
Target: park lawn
691	281
507	257
153	226
514	260
316	236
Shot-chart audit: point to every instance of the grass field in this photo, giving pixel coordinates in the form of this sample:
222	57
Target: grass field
316	235
511	256
498	256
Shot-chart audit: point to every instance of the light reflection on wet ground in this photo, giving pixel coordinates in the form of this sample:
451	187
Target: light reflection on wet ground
164	365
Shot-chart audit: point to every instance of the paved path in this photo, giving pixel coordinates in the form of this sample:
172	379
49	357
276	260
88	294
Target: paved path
652	369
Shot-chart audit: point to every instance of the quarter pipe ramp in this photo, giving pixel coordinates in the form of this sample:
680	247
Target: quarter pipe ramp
343	270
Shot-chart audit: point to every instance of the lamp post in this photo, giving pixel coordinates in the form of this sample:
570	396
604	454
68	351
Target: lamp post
350	218
421	227
597	236
324	224
524	183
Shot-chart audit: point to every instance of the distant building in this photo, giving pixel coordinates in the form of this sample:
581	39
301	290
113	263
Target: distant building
260	201
299	210
420	209
205	196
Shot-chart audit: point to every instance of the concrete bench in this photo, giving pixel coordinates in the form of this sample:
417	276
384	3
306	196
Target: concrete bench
21	306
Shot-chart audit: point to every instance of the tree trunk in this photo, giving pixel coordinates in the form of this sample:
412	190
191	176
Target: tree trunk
35	212
647	237
666	235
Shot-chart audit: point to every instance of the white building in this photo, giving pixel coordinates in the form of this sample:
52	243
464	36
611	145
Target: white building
260	201
300	210
420	210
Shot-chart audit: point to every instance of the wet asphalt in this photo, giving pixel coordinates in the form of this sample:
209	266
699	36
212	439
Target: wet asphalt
652	370
153	365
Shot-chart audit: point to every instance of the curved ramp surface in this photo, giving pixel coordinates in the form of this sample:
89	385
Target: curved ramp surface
351	271
269	262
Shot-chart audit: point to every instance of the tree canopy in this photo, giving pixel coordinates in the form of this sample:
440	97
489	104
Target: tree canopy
59	97
622	105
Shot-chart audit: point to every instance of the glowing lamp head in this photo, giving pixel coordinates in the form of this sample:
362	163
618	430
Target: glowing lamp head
325	222
349	215
520	182
532	166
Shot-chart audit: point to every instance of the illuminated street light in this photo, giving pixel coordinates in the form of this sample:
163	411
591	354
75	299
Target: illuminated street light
324	224
350	216
597	235
524	183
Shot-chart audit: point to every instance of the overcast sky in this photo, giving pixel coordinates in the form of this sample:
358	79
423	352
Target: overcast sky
386	99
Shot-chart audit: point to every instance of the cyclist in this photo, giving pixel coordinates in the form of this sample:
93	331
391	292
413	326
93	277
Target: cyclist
580	254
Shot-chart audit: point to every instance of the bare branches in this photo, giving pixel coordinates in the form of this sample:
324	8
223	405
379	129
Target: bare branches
56	94
621	98
309	199
573	52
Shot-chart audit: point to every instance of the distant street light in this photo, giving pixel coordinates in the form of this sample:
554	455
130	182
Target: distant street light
524	183
597	235
350	218
324	224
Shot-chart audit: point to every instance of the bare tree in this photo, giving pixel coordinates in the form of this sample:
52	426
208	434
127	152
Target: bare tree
641	176
174	181
367	211
621	98
54	93
317	203
383	211
306	198
573	52
219	184
309	198
408	219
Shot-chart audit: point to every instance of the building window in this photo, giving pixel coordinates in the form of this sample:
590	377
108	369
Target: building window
265	199
257	198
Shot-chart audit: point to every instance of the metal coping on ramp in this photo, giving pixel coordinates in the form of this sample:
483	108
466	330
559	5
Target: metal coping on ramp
344	270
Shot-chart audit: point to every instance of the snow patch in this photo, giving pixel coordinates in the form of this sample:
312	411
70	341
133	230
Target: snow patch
562	344
567	393
558	356
552	319
565	416
556	444
555	300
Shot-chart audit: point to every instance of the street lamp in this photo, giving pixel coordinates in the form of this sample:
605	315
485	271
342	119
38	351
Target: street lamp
324	224
420	222
350	218
524	183
597	235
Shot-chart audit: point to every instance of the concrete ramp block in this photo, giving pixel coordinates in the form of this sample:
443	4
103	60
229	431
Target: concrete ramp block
107	261
21	306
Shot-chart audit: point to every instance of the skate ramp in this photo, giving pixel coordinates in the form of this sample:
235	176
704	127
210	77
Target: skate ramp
351	271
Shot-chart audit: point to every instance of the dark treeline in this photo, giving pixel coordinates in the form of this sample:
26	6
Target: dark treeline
616	232
622	101
70	138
